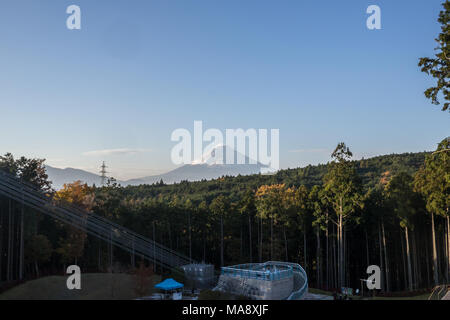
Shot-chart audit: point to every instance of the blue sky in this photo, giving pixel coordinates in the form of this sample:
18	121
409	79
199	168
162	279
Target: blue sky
137	70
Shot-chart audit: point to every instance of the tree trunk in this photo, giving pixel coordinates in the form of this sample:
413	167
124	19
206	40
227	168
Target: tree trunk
448	245
161	259
408	255
241	241
335	258
10	232
36	268
386	261
16	267
383	287
318	257
367	248
341	253
397	276
170	235
346	269
304	247
154	247
1	239
133	264
204	244
99	254
271	238
416	273
260	239
435	259
250	237
341	247
111	250
285	243
190	239
258	234
446	254
327	254
221	240
21	257
427	263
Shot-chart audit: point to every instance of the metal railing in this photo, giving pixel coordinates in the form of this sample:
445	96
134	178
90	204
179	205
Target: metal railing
300	280
300	283
100	227
439	292
284	270
255	271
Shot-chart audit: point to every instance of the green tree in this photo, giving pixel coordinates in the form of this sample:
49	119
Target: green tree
288	215
38	250
375	213
403	201
30	171
269	203
343	185
319	208
204	224
71	247
432	180
439	67
301	215
220	207
248	208
189	207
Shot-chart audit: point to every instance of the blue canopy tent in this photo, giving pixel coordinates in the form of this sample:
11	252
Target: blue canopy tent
169	284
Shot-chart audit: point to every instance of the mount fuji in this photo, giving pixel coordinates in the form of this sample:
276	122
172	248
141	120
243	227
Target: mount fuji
211	165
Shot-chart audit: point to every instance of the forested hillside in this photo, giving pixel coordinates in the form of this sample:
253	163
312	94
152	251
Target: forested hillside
372	171
334	219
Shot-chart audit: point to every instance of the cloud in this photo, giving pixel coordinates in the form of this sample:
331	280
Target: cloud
54	160
309	150
113	152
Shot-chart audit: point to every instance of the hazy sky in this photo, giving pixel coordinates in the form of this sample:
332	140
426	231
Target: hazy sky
137	70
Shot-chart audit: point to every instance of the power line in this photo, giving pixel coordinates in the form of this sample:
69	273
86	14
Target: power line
96	225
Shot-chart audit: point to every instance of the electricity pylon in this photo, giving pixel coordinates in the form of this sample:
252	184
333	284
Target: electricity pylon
103	173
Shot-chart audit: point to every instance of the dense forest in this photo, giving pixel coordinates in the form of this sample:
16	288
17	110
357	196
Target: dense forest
334	219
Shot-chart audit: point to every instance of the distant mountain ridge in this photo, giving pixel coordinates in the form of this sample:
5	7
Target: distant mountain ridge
212	165
59	177
371	170
207	168
197	172
189	172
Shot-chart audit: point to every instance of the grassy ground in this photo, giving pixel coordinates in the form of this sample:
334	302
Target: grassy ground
318	291
420	297
94	286
328	293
